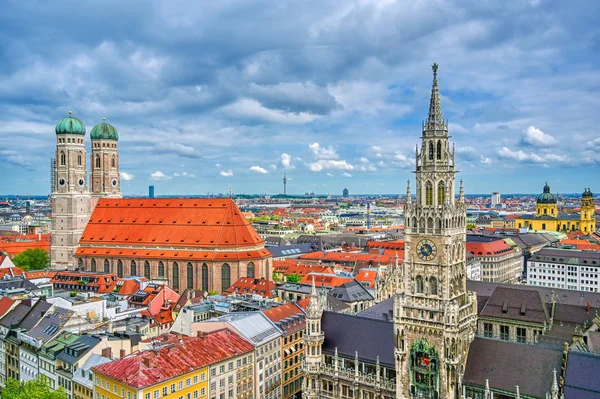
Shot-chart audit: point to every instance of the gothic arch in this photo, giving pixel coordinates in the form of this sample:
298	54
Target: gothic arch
431	150
79	158
441	193
106	266
120	268
113	162
80	264
133	267
190	276
428	193
205	277
175	276
433	286
146	269
225	276
63	158
93	267
250	270
414	223
161	269
419	284
430	223
439	150
97	161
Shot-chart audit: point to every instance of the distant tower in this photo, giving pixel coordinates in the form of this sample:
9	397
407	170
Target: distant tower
284	183
588	208
313	342
71	206
150	191
105	178
368	216
495	199
345	193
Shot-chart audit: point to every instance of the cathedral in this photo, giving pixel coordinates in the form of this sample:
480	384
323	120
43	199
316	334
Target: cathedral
418	340
188	243
72	199
548	218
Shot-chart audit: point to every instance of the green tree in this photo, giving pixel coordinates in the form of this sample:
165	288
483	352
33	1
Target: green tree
32	259
34	389
293	278
212	293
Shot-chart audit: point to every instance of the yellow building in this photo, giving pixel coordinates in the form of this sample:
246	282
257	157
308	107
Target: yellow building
547	216
177	367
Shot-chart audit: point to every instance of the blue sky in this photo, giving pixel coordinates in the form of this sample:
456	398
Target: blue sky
208	95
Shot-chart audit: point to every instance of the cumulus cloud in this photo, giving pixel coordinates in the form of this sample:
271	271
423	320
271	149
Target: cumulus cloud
485	160
593	144
537	138
273	167
175	148
127	176
326	158
258	169
159	176
285	160
226	173
346	174
530	157
329	174
252	110
320	152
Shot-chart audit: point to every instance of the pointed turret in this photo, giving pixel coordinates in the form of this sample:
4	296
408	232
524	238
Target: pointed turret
435	120
408	193
554	385
461	193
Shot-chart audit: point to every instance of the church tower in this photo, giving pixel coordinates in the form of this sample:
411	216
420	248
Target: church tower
313	342
588	209
434	315
70	196
104	177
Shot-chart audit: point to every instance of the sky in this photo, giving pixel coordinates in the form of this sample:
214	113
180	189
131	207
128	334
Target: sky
208	95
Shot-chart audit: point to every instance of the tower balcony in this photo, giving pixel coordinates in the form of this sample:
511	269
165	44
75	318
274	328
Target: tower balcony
350	376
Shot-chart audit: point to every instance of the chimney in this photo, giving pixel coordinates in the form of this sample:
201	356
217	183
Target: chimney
202	334
107	352
122	353
146	361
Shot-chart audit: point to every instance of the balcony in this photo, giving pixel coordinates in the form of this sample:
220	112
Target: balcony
364	379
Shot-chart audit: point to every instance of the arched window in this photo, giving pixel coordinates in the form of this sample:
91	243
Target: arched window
430	223
225	276
79	158
161	269
112	162
175	276
190	276
430	150
204	278
63	158
428	193
419	284
80	264
119	268
97	161
441	193
250	272
147	269
439	150
433	286
93	265
106	266
133	267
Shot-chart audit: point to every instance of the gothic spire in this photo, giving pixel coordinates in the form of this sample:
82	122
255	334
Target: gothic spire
408	194
435	120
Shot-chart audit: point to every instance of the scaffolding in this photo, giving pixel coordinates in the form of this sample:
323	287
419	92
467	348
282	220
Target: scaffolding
52	175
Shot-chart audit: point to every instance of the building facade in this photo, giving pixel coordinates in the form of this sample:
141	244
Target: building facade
500	263
72	203
564	268
548	218
434	316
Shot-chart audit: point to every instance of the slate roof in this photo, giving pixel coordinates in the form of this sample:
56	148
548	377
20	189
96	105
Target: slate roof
352	291
381	311
290	250
17	283
581	379
81	375
516	304
50	324
34	315
72	352
14	317
567	256
254	326
371	338
507	364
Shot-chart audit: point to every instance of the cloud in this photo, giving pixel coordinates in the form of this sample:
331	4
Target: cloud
346	174
320	152
485	160
159	176
531	157
329	174
273	167
258	169
594	144
285	160
226	173
126	176
324	164
537	138
218	165
252	110
175	148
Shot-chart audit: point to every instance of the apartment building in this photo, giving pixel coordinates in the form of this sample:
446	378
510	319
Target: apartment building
564	268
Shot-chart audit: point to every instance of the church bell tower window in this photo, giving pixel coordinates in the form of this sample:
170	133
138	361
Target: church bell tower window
428	194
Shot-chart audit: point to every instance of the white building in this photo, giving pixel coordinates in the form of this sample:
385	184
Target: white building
495	199
564	268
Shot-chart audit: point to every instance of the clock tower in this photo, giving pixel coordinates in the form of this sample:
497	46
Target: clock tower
434	315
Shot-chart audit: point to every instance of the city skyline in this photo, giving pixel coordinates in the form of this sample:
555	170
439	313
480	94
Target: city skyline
229	95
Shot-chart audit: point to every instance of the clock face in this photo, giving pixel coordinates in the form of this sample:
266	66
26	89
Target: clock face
426	250
114	182
62	182
81	182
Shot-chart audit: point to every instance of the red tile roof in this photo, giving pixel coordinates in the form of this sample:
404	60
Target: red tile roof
173	359
174	222
393	245
289	316
5	304
487	249
30	275
83	281
249	285
328	280
367	276
350	258
582	244
291	266
129	286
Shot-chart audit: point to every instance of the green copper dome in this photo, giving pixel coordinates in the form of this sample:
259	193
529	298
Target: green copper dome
588	193
70	125
104	131
546	197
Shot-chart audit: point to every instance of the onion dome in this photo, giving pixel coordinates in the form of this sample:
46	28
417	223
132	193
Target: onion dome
587	193
104	131
546	197
70	125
